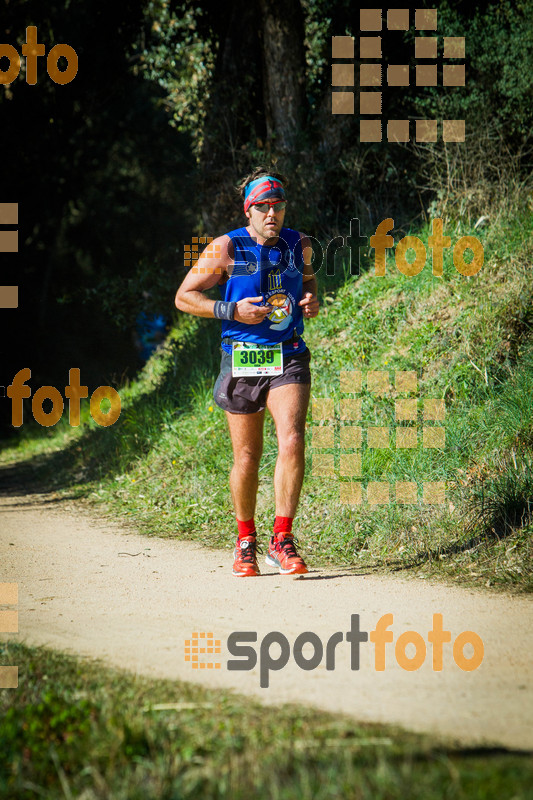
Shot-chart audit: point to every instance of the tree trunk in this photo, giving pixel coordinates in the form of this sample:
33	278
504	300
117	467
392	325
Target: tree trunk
283	35
235	115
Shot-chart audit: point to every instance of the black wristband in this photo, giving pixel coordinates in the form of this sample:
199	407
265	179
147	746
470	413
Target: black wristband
223	310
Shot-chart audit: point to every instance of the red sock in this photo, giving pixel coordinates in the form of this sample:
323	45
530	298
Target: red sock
283	525
246	528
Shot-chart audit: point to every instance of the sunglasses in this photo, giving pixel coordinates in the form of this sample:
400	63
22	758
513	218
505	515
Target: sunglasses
277	205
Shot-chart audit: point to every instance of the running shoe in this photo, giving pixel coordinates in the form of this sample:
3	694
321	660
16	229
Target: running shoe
282	553
245	563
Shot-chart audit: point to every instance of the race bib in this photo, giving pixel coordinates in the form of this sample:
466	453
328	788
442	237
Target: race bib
252	360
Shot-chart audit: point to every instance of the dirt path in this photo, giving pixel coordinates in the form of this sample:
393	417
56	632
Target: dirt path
80	592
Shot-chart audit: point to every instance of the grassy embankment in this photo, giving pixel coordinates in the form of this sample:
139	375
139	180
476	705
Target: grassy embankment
77	729
164	465
74	729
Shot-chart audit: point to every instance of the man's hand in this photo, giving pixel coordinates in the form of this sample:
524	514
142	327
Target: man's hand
310	305
246	311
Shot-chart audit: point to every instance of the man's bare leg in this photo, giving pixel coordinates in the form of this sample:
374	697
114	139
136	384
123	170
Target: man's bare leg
288	406
246	432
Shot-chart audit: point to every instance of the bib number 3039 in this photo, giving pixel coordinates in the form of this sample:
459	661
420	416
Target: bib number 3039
250	360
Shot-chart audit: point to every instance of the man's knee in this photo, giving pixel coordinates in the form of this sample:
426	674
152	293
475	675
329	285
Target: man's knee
292	444
247	459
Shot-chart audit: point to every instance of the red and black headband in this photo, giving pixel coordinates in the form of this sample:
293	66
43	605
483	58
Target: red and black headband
262	188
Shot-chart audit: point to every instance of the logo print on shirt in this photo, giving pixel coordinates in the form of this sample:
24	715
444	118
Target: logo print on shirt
274	280
281	314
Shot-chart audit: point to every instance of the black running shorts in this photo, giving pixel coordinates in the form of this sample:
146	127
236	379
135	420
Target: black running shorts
248	395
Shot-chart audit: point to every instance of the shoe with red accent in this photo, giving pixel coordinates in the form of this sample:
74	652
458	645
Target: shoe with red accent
282	553
245	563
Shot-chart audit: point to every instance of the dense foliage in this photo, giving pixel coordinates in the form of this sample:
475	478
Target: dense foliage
173	102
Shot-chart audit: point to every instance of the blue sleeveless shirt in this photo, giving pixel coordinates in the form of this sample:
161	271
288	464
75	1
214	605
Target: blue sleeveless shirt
275	272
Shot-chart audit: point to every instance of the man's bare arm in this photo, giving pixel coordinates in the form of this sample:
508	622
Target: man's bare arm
214	262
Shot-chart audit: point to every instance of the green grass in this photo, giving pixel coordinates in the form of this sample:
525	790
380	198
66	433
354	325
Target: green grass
75	728
164	465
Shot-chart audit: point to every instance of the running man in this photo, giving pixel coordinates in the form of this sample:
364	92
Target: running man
268	288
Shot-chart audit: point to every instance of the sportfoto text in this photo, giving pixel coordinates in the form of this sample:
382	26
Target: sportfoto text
381	241
18	390
247	656
32	50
